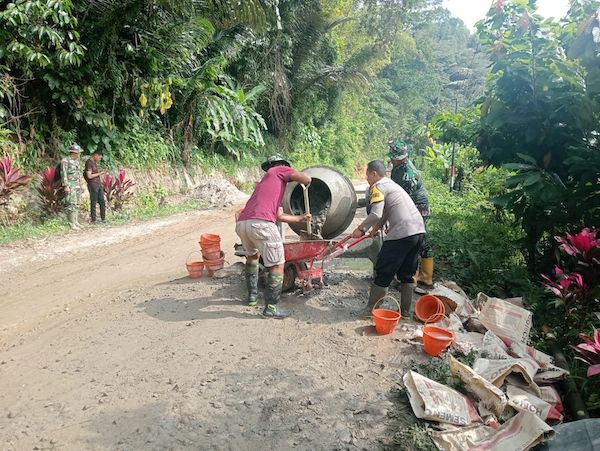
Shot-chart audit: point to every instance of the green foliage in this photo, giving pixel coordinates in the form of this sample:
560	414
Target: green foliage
32	228
438	368
539	118
231	120
39	34
142	148
478	250
326	78
455	128
439	159
441	69
416	437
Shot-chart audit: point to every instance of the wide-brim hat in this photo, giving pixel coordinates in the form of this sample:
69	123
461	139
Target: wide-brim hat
269	162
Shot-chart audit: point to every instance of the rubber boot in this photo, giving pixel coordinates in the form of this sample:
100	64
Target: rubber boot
375	295
406	300
252	282
425	278
373	251
272	297
72	215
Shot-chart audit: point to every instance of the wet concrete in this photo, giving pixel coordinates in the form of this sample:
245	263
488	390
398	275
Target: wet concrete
355	265
332	202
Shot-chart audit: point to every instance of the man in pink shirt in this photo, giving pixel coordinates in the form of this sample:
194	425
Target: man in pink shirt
256	227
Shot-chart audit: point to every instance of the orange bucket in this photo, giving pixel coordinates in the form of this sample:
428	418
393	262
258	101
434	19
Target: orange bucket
430	309
209	239
214	265
195	269
436	340
385	320
212	253
210	245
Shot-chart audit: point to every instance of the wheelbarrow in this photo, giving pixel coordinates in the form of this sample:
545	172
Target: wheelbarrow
302	259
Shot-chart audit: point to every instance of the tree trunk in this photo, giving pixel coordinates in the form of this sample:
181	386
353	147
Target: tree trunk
188	140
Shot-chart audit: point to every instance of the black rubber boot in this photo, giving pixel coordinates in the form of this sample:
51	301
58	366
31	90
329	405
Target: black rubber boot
252	282
272	297
406	300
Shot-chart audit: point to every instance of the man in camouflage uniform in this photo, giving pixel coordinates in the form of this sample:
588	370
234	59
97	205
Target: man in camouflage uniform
406	175
71	182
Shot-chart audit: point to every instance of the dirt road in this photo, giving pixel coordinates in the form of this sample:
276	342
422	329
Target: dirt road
106	344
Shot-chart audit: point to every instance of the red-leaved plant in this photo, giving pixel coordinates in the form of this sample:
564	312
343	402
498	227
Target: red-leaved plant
577	288
50	191
589	352
118	189
10	180
582	245
565	286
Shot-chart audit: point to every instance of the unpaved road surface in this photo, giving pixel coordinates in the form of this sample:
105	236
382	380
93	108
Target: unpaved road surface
106	344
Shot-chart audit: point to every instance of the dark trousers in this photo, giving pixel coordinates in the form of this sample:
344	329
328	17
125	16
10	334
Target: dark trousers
398	258
97	196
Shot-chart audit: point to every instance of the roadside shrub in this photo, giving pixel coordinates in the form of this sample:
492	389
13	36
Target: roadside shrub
50	192
570	308
472	246
143	148
118	189
10	180
574	284
589	352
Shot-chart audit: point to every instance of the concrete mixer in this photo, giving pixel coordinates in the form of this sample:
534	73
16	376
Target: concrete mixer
332	202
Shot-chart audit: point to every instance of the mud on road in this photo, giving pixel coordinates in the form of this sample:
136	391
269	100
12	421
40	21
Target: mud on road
106	344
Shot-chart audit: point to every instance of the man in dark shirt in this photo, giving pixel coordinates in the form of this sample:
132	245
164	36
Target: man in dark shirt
93	178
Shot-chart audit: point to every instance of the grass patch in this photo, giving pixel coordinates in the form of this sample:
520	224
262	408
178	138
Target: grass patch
416	437
32	229
146	211
475	245
136	212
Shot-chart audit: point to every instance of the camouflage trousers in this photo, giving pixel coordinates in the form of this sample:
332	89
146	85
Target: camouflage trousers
72	199
426	250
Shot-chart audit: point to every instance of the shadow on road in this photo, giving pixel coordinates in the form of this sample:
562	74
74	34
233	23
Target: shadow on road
186	299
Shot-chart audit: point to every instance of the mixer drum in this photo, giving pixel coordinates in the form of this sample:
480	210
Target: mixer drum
332	201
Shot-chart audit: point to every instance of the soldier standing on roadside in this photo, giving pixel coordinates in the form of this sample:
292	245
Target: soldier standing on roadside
71	182
406	175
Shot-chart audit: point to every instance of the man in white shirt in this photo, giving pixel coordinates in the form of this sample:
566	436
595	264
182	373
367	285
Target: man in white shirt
399	255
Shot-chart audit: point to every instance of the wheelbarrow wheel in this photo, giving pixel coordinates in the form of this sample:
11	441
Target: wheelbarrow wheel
290	273
289	277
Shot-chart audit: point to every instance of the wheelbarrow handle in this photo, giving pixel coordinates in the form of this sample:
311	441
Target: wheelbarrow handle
358	240
342	242
340	247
